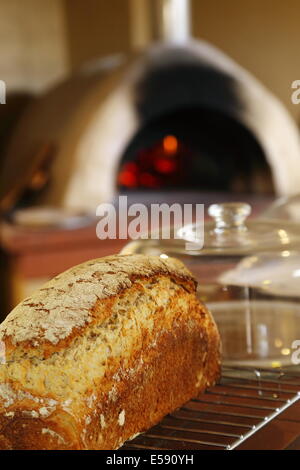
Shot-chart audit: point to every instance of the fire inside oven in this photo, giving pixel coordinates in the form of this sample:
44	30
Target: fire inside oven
195	149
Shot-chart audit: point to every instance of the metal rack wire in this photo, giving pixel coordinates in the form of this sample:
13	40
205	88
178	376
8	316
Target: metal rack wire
245	400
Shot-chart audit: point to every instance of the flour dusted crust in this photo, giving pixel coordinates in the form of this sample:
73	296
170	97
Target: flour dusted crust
102	352
66	301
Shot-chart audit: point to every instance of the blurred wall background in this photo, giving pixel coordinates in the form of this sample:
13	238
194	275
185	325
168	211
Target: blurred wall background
96	28
262	35
42	40
33	45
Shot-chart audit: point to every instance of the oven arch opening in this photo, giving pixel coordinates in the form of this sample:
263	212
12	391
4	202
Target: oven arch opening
196	149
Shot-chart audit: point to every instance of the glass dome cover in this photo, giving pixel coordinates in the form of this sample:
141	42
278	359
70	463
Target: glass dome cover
229	234
286	208
249	276
232	233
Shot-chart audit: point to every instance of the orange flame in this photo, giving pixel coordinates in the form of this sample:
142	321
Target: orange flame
170	144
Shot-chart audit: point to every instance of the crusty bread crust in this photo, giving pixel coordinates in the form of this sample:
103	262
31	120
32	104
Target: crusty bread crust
102	352
65	304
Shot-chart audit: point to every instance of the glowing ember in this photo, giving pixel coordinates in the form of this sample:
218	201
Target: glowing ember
164	165
170	144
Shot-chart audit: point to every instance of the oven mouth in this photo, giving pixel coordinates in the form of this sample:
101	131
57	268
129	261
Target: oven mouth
196	149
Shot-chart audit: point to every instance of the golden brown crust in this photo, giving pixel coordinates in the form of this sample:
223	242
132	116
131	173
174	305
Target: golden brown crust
147	349
63	307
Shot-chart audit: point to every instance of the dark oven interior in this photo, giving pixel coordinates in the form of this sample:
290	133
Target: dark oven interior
191	133
195	149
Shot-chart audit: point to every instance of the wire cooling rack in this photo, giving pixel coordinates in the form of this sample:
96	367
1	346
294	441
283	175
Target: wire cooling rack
245	400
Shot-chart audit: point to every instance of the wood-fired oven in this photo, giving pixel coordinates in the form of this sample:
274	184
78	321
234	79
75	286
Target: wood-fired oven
180	115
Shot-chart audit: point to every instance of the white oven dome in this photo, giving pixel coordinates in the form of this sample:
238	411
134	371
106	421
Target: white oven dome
79	130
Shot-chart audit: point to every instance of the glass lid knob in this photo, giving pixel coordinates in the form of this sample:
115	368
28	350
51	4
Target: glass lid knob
229	215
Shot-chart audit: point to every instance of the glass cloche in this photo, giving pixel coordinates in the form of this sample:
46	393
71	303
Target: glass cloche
249	277
285	208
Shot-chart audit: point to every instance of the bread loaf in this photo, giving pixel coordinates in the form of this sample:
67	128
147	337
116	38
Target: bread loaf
102	352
